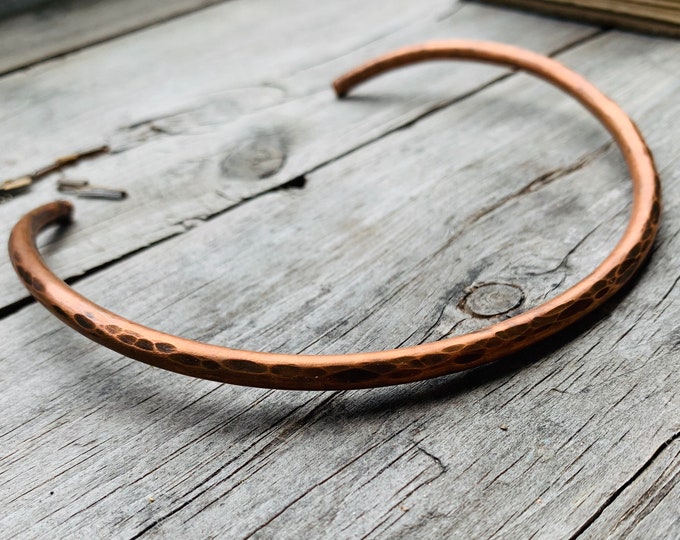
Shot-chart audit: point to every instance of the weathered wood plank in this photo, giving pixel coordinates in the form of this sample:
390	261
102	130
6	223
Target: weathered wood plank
377	246
642	16
100	83
181	149
65	26
648	506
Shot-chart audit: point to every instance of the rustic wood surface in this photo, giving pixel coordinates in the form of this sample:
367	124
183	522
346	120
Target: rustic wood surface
214	137
64	26
265	214
650	16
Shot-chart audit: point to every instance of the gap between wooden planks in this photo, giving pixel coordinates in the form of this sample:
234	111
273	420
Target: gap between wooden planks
425	460
181	149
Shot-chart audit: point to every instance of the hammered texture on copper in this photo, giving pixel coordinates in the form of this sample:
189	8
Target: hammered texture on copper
361	370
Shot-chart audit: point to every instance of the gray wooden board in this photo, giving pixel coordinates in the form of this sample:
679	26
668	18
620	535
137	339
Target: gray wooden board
515	185
648	506
67	25
182	148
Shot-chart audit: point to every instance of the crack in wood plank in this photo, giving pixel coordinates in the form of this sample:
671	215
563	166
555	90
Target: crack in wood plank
622	488
454	421
207	215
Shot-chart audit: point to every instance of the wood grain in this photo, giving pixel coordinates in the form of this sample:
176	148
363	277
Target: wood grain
514	184
57	28
646	506
561	428
180	150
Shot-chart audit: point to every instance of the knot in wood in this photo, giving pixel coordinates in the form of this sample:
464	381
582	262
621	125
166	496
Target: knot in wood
492	299
261	154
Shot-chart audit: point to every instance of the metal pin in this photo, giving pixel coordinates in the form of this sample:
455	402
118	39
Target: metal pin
68	186
83	190
93	192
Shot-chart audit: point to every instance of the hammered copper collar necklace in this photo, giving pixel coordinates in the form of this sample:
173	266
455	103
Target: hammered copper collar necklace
382	368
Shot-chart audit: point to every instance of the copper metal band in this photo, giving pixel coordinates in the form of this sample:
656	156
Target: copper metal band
371	369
